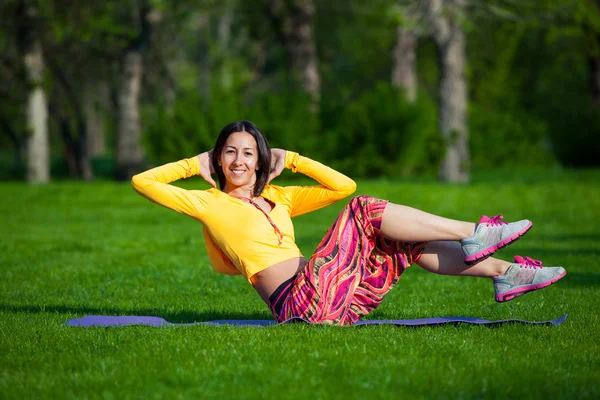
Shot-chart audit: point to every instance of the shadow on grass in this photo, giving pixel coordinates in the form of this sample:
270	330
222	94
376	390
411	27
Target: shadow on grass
184	316
579	279
570	236
191	316
535	251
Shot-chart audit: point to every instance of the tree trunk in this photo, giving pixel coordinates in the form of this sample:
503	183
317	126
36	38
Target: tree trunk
203	26
96	95
261	59
224	44
164	62
594	61
595	80
17	141
76	142
450	41
129	153
38	149
169	89
70	144
293	21
453	104
404	70
302	47
37	144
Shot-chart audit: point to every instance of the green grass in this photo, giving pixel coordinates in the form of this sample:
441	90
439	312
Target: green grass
74	249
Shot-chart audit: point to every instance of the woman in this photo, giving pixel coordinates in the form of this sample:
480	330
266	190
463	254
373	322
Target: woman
248	230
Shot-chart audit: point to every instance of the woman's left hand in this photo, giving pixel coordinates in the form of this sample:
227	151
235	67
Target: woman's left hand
277	163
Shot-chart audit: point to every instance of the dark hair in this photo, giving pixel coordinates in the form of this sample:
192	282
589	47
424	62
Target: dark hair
264	153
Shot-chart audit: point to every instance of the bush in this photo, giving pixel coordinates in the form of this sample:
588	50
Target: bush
378	134
195	123
382	134
11	167
575	135
507	138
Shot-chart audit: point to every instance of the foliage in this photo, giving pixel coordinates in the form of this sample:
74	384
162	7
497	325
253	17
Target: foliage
530	100
527	73
574	135
500	138
562	91
74	249
377	134
380	133
196	122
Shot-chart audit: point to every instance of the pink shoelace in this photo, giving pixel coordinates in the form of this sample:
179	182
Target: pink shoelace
527	262
496	220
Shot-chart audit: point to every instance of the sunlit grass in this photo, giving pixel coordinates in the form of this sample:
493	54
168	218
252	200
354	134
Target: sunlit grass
75	249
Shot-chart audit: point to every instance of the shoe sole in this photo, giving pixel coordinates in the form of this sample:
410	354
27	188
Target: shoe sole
485	253
520	291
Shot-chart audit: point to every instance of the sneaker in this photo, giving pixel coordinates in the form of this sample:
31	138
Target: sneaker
525	275
490	235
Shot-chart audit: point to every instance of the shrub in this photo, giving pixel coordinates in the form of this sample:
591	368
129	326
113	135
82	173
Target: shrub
575	135
382	134
196	122
507	138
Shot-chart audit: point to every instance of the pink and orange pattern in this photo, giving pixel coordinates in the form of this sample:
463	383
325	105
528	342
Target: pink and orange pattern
352	269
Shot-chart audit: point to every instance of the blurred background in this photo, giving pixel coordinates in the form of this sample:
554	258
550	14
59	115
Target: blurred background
379	88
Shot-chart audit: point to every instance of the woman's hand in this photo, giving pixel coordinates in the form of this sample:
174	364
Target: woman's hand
206	167
277	163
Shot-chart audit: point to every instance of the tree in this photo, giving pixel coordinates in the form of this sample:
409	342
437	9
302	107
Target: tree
404	68
129	154
83	42
96	98
293	24
37	146
14	90
445	18
593	29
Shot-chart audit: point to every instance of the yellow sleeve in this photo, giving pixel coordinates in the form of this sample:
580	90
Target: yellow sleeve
154	185
334	185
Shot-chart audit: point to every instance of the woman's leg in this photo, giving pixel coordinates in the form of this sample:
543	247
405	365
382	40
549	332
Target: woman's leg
478	241
524	276
447	258
408	224
352	269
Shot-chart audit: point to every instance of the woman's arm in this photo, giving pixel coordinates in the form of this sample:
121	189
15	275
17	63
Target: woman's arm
334	185
154	185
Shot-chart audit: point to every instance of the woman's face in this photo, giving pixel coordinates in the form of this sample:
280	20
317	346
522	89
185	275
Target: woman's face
239	161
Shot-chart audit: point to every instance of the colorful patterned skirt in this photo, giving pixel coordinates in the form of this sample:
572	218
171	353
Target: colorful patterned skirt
352	269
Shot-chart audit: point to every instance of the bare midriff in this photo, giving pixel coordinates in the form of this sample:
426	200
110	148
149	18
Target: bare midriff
266	281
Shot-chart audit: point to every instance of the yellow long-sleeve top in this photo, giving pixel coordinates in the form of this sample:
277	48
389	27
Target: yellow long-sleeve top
239	237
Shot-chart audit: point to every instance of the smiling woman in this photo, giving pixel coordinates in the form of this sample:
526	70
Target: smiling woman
248	230
243	154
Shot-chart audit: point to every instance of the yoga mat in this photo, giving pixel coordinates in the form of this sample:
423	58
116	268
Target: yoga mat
105	320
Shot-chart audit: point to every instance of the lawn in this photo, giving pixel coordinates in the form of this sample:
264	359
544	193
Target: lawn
71	249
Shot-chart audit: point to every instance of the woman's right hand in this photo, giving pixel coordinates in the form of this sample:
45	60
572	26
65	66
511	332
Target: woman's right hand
277	163
206	167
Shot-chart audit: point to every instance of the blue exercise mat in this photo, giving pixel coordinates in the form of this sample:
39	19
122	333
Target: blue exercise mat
105	320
